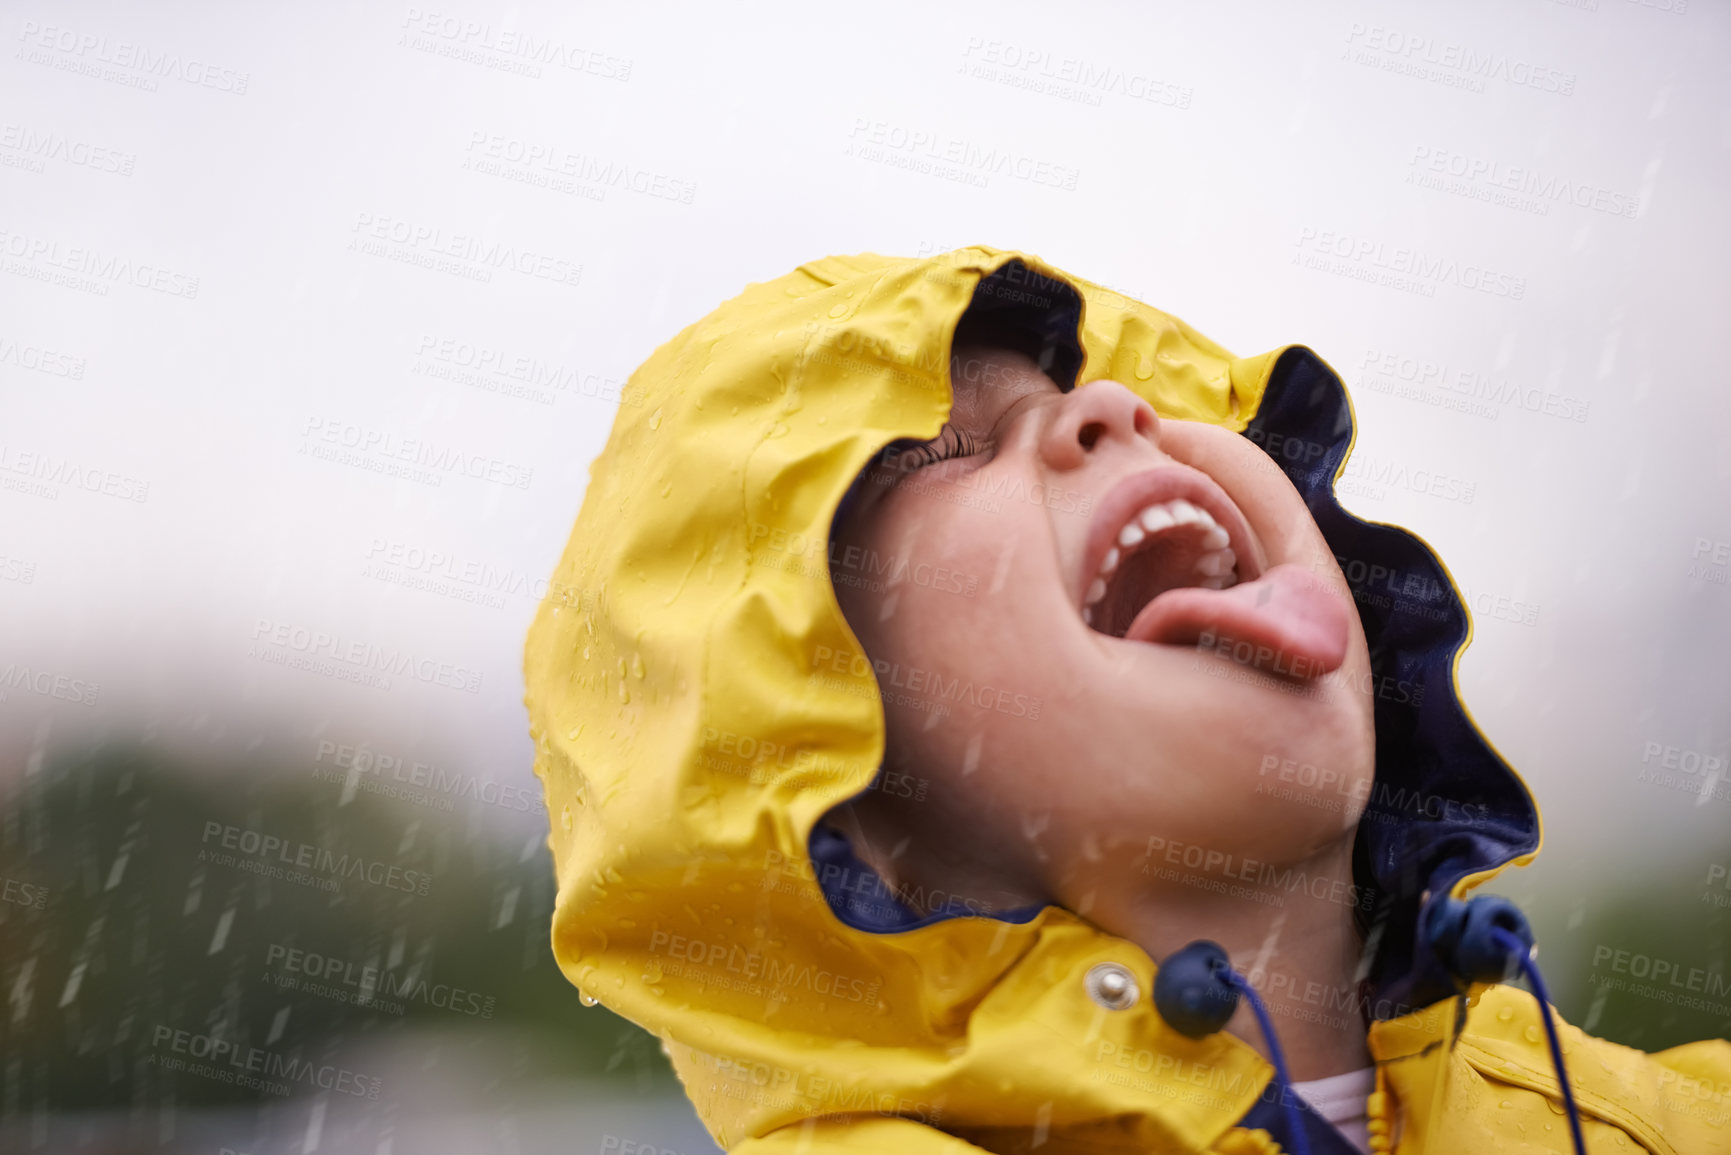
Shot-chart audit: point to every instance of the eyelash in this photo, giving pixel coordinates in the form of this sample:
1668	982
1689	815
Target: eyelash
942	449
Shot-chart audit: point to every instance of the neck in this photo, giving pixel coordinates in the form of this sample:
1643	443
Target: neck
1300	956
1298	947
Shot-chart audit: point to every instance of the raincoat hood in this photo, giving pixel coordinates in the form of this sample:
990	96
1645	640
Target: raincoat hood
689	750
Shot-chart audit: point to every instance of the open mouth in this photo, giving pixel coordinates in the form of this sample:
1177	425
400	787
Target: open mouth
1172	561
1166	545
1165	529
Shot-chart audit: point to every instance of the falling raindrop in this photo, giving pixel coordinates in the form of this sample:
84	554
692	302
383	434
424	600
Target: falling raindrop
119	869
971	759
277	1023
507	908
219	939
22	990
73	982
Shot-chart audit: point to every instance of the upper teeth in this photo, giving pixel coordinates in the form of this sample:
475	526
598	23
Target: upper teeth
1215	564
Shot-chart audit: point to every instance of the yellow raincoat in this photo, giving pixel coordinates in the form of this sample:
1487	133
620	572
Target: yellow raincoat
688	749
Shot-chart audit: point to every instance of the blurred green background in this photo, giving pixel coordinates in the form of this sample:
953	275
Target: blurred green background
131	928
141	931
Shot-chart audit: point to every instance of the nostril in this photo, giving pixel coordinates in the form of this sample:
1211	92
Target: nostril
1090	433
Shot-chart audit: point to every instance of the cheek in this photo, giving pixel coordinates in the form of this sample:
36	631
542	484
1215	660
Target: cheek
974	543
925	586
950	601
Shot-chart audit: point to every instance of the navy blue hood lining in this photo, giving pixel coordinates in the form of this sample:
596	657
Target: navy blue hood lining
1444	804
860	898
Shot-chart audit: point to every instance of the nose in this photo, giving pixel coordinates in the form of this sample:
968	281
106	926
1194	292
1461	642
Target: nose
1093	416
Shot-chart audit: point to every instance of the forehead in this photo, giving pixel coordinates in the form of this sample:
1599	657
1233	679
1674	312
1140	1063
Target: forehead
987	379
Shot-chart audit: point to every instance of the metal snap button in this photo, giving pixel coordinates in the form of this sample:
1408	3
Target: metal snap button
1112	986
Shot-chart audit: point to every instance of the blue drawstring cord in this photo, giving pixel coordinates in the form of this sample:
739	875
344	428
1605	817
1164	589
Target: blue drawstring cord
1481	940
1522	953
1196	991
1300	1144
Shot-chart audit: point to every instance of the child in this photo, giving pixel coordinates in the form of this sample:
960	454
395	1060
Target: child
976	727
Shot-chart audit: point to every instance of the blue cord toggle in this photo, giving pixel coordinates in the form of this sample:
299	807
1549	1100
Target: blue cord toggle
1463	934
1481	941
1485	940
1189	992
1196	991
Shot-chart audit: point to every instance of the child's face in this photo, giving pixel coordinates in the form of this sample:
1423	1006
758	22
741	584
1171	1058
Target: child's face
1056	748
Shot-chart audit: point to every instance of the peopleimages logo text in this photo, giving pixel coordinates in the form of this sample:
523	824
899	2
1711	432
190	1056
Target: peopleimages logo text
370	982
352	760
237	1063
1409	262
103	266
366	655
416	451
126	54
306	856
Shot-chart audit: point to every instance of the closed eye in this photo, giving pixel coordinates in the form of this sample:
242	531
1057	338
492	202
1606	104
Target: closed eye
905	455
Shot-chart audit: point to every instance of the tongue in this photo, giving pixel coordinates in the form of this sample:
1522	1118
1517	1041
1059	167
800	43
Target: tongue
1292	622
